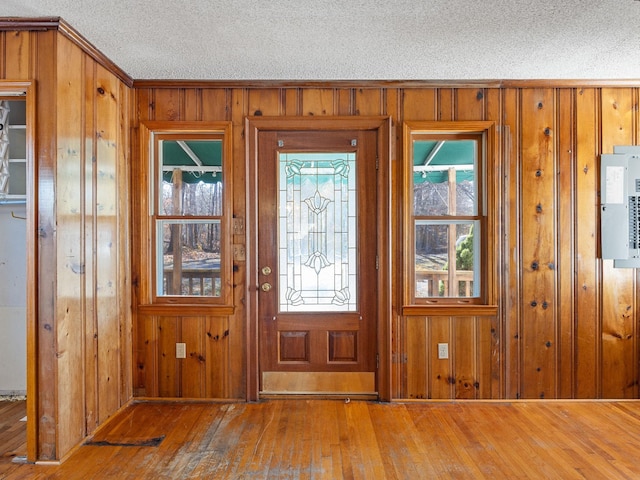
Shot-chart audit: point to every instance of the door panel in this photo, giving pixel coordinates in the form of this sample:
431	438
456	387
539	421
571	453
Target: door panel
317	300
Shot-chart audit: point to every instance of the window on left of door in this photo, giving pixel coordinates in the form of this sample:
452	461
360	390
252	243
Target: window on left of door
189	211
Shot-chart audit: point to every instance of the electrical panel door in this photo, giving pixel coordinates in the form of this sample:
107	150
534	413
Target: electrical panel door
620	206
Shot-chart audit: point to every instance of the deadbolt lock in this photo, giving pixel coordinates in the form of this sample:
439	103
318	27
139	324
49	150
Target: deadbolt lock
266	270
266	286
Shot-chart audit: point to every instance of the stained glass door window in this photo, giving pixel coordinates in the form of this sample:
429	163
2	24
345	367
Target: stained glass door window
317	232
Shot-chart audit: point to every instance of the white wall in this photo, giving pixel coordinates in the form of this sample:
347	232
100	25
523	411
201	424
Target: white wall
13	331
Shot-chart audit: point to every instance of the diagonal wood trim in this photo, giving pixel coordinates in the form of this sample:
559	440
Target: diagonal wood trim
57	23
93	52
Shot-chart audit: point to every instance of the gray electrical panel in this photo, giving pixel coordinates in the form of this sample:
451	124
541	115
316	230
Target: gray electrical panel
620	206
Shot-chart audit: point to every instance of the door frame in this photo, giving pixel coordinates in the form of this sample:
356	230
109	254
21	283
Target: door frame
27	90
382	126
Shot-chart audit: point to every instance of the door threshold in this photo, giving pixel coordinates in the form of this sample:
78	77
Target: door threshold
317	396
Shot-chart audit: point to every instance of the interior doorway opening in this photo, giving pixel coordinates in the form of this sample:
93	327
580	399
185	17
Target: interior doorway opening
13	253
18	252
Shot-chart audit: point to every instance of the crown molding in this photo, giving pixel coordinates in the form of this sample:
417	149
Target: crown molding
404	84
36	24
57	23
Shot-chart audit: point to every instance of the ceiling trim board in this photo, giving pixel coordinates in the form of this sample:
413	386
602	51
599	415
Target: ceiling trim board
407	84
12	24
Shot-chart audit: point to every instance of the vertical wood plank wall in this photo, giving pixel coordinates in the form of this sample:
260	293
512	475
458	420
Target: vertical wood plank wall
81	154
568	322
215	366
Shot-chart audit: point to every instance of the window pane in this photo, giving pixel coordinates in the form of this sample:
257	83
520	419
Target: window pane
317	232
447	259
196	199
191	174
17	141
444	177
190	259
17	178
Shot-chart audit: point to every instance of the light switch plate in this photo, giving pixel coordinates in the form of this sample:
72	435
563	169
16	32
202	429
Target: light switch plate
181	350
443	350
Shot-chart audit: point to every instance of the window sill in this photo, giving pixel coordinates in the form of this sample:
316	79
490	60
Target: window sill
449	310
185	309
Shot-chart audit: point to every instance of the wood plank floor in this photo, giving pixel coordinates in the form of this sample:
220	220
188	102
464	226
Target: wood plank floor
13	432
299	439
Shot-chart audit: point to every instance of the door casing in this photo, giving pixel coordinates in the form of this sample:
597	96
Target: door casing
382	126
27	90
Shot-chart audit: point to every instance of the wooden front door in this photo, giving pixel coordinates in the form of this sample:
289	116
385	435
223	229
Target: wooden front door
317	262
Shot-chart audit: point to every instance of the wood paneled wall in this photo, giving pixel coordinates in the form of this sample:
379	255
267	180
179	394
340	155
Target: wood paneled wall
82	328
567	322
567	325
206	372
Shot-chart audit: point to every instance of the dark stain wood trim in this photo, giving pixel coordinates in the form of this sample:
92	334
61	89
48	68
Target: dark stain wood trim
20	23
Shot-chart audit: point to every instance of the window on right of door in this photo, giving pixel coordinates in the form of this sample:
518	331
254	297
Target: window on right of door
446	206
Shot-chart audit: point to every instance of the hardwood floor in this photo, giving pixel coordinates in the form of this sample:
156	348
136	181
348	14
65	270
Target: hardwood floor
331	439
13	432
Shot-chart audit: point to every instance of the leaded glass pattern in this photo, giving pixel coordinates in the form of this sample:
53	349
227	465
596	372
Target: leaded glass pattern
317	234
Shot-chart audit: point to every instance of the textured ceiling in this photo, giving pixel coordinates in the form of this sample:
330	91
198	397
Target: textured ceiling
356	39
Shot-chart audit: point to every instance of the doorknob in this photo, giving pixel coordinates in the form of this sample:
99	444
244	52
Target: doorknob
266	286
266	270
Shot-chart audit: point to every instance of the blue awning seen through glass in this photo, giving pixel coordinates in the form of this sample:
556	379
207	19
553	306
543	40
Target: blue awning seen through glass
433	158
